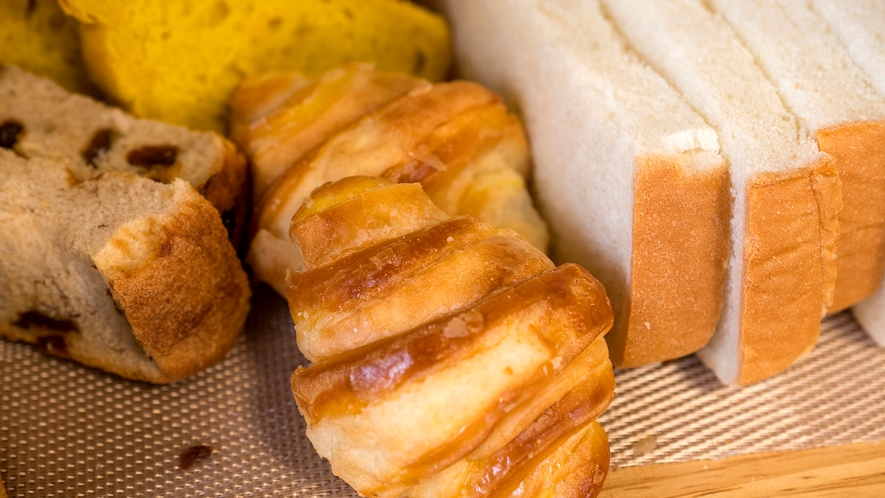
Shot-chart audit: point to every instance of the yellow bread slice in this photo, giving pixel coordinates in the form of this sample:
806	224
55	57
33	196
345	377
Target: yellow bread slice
180	62
36	36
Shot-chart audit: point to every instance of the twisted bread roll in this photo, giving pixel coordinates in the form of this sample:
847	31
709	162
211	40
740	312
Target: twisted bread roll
456	139
451	357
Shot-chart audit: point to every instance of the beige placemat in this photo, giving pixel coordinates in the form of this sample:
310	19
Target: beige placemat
70	431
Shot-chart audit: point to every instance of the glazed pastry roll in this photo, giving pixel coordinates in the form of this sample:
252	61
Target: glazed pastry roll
451	357
279	117
456	139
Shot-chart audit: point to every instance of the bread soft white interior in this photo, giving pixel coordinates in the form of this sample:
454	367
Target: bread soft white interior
782	266
859	24
837	104
610	140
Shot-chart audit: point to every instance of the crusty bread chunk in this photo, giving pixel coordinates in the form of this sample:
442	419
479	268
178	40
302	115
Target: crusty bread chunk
450	359
37	36
456	139
627	175
38	118
859	24
837	104
180	61
782	268
118	272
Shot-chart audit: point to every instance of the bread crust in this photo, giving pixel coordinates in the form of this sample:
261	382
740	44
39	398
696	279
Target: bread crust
228	190
680	248
789	266
859	153
386	143
189	302
565	308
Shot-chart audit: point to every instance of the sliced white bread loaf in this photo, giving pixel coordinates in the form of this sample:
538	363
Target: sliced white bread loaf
628	176
38	118
837	104
118	272
787	194
860	25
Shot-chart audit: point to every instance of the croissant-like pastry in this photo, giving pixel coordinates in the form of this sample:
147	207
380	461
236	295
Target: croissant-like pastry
451	358
456	139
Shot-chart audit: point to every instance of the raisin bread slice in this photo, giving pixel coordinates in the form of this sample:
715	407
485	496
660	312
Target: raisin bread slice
118	272
38	118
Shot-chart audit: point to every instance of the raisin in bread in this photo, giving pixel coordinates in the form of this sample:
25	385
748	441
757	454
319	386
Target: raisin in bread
38	118
118	272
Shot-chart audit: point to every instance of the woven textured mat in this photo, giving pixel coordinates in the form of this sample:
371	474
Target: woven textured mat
70	431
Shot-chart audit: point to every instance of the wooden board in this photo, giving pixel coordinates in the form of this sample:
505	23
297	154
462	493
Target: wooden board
856	470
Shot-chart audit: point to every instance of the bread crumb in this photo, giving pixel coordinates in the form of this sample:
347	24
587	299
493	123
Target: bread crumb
455	328
556	362
645	445
647	325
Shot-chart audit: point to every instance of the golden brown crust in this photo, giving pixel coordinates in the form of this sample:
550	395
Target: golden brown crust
364	219
680	248
456	358
372	294
566	299
228	191
413	117
573	467
189	302
789	266
859	153
281	134
565	310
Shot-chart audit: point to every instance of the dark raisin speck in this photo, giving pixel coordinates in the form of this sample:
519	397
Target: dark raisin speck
98	146
34	319
153	155
9	132
188	457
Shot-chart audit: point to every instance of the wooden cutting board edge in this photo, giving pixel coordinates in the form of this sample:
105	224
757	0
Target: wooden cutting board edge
854	470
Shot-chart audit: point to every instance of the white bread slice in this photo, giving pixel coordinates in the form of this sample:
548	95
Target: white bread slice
837	103
118	272
91	137
860	25
787	194
628	176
